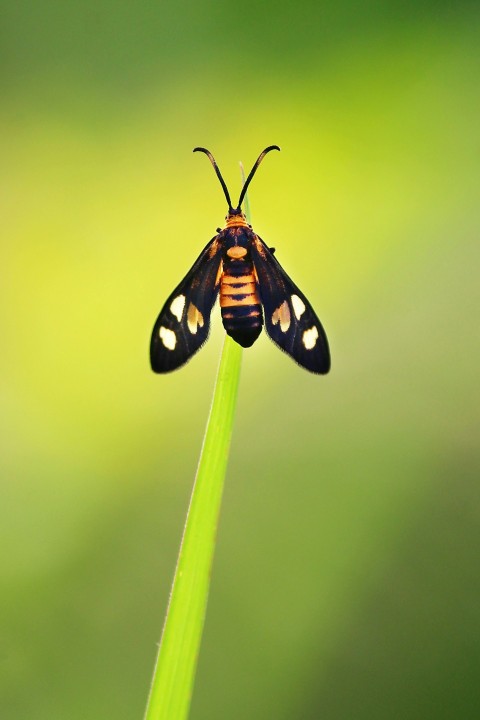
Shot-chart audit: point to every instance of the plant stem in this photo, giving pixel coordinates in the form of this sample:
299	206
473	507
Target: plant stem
174	674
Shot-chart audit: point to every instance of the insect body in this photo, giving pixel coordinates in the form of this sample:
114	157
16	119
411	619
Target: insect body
237	265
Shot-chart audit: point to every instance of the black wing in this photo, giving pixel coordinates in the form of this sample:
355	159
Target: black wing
290	320
184	322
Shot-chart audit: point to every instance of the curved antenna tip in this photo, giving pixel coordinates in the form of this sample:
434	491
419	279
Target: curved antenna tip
219	174
253	171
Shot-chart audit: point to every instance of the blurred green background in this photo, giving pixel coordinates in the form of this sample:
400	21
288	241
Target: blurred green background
346	579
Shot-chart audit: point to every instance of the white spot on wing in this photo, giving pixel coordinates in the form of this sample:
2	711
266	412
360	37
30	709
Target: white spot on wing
176	308
194	318
282	315
298	306
309	338
167	337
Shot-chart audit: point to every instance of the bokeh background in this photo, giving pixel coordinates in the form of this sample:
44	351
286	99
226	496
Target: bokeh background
346	579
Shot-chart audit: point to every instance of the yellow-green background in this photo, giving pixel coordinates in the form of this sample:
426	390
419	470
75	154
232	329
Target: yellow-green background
346	578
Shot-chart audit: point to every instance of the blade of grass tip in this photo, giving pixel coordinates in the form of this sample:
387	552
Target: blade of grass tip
173	678
246	201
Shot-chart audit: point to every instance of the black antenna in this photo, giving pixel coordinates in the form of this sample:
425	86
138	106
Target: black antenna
219	175
253	171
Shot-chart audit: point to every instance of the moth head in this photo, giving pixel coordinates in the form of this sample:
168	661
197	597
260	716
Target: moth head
235	218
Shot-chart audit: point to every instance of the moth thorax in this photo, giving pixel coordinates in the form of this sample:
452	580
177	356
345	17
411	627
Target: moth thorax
236	252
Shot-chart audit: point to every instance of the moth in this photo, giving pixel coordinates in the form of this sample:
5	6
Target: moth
254	290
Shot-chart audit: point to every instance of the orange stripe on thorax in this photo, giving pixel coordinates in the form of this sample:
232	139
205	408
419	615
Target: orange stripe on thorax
237	279
227	301
245	291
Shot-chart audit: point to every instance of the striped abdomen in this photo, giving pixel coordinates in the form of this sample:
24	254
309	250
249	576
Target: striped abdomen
239	300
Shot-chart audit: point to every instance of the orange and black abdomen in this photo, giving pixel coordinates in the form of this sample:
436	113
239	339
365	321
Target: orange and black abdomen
239	300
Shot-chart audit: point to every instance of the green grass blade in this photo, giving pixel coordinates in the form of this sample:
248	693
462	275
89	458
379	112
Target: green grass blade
246	201
174	674
177	659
